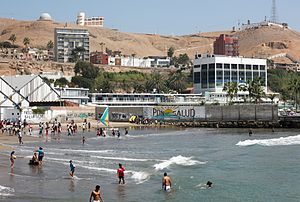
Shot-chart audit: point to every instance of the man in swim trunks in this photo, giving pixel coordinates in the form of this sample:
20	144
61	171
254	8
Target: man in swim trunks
96	195
166	182
120	173
72	168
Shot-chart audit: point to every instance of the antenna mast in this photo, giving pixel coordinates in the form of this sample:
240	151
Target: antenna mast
274	15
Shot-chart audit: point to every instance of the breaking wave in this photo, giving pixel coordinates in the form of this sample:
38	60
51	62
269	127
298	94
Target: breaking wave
6	191
178	160
282	141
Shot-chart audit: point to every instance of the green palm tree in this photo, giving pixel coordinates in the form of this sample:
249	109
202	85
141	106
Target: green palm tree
77	54
13	38
177	81
26	42
50	45
155	81
231	89
294	87
255	89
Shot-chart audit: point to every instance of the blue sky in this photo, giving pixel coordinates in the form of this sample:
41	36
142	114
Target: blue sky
170	17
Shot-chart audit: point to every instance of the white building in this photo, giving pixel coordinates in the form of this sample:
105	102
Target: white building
66	40
82	20
17	92
135	62
211	72
75	95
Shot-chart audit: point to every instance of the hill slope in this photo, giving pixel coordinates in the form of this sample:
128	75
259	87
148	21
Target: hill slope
261	42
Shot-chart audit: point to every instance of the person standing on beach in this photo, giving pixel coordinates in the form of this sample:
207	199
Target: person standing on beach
96	195
19	132
113	132
166	182
30	130
120	173
118	133
126	131
41	154
89	126
72	168
83	140
12	159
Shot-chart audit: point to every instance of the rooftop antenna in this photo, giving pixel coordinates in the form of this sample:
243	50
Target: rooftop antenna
274	15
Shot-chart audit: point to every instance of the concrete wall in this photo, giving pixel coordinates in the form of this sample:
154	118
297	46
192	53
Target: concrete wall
197	113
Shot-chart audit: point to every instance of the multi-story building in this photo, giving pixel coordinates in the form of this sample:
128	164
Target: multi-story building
75	95
66	40
226	45
99	58
211	72
82	20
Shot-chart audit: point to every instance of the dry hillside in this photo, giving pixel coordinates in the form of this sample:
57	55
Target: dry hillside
262	42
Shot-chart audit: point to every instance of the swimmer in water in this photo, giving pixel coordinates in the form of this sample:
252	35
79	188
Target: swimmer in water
166	182
12	159
72	168
126	131
96	195
209	184
250	132
83	140
120	173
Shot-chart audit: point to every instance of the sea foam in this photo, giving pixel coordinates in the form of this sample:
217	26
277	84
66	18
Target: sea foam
178	160
140	177
6	191
282	141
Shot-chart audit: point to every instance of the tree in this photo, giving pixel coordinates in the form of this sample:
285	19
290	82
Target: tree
50	45
86	69
255	89
77	54
13	39
231	89
294	87
155	81
170	52
177	81
26	42
272	97
82	82
182	60
62	82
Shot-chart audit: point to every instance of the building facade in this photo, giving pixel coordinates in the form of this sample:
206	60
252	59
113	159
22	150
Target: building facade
226	45
82	20
75	95
17	92
211	72
66	40
99	58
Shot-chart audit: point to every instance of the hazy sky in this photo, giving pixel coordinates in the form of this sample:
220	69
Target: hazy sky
170	17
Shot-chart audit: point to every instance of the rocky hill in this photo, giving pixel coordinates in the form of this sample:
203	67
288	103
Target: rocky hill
261	42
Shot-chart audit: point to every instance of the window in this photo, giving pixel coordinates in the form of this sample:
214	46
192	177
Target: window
204	76
196	77
196	66
242	77
219	66
226	76
219	78
226	66
255	75
211	76
248	75
248	67
255	67
234	77
233	66
262	67
241	67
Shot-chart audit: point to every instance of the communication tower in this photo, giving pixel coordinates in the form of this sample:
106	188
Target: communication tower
274	14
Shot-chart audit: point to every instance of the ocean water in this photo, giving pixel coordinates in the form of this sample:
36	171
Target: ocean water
263	167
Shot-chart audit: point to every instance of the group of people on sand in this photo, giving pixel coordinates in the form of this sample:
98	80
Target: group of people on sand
114	132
